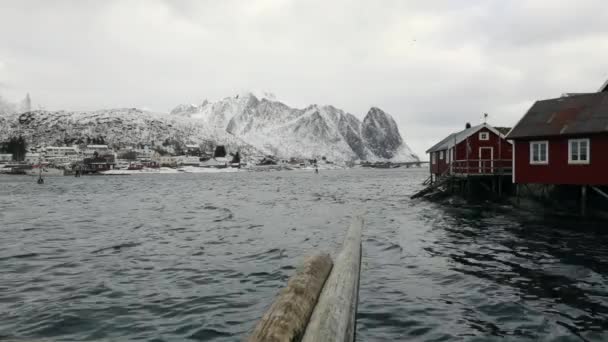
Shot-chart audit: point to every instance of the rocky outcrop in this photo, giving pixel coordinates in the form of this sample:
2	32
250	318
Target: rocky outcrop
381	134
312	132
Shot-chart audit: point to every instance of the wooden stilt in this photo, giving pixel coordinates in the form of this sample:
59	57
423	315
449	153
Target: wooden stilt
584	200
517	193
500	186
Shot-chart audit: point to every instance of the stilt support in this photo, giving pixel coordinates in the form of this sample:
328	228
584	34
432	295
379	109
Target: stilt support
584	200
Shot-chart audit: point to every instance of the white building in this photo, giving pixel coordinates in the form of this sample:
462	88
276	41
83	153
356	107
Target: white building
188	160
144	153
32	158
100	149
167	160
61	155
6	157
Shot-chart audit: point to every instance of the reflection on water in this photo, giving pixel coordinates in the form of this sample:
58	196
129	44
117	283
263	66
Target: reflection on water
200	257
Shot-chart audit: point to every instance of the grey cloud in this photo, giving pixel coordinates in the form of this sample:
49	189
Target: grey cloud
431	64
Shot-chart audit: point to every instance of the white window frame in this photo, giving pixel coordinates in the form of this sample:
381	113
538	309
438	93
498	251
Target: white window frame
579	162
484	136
539	162
441	155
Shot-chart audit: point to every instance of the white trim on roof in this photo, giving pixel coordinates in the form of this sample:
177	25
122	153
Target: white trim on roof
456	138
604	87
473	131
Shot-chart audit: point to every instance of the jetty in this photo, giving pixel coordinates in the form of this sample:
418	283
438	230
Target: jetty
320	301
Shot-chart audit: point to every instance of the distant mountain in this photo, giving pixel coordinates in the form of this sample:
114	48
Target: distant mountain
254	125
117	127
312	132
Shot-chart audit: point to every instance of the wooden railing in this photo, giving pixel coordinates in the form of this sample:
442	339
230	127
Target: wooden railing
482	167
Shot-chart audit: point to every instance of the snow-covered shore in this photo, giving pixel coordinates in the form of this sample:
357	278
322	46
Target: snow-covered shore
167	170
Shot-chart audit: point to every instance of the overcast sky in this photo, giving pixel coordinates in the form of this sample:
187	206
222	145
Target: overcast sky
433	65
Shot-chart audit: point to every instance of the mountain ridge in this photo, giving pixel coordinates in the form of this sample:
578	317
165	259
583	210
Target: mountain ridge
267	123
260	126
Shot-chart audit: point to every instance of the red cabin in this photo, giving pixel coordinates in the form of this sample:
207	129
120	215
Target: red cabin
563	141
478	150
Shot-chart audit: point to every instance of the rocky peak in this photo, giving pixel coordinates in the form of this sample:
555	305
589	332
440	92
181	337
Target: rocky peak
312	131
381	133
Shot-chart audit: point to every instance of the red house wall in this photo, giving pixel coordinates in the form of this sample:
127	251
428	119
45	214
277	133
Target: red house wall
502	149
440	164
505	151
558	171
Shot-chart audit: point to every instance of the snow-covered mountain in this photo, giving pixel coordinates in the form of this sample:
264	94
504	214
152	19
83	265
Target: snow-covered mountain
117	127
254	125
312	132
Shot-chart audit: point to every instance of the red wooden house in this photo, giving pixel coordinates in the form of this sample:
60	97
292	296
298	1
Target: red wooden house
563	141
478	150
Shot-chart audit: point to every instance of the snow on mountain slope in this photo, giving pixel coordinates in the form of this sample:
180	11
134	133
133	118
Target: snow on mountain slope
243	122
312	132
117	127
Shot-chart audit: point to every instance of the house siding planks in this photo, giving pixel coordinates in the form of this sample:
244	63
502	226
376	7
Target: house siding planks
440	164
502	149
558	171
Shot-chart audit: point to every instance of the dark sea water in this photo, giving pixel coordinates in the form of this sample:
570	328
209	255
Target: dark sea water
201	256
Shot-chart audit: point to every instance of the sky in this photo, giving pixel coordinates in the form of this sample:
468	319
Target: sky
433	65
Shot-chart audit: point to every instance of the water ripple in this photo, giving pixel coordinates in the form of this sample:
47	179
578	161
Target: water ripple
200	257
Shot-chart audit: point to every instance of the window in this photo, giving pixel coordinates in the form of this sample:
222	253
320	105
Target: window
539	152
484	136
578	151
441	155
433	158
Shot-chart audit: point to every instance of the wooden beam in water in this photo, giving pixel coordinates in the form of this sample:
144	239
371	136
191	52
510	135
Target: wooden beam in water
334	317
288	316
596	189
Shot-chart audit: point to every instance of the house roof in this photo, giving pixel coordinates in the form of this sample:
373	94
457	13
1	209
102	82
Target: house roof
503	130
579	114
442	145
456	138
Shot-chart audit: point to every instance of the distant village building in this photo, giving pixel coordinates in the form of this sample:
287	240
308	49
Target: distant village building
477	150
32	158
98	158
61	155
91	150
563	141
193	150
144	154
188	161
99	163
166	161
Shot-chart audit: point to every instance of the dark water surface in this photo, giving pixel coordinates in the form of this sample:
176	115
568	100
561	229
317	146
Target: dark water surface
200	257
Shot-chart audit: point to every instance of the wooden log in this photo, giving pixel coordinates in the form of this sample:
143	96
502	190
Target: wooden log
334	317
287	317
